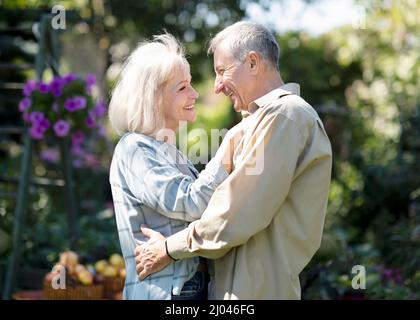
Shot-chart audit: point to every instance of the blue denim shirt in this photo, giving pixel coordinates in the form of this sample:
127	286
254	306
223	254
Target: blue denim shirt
154	184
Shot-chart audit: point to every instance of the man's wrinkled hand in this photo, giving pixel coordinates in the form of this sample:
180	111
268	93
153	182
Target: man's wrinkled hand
151	256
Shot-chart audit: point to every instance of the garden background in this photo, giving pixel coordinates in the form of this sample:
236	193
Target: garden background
361	77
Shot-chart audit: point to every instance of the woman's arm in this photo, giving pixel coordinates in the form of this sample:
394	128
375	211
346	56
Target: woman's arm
159	184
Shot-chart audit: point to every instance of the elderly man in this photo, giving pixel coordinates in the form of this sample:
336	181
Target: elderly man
264	223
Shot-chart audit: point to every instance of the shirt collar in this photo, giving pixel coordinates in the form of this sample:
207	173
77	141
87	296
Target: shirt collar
288	88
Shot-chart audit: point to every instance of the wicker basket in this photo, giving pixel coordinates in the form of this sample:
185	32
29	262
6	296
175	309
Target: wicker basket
78	292
112	286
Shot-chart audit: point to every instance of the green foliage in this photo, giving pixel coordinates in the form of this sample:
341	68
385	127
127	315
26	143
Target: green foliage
374	195
391	268
385	112
111	22
312	62
191	21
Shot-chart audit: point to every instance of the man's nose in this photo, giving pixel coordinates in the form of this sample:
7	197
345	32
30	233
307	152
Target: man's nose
218	85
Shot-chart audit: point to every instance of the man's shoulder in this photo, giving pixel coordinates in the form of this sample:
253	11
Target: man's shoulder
294	108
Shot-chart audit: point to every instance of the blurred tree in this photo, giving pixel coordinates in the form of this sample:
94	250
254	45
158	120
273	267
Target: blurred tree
312	62
193	22
385	111
112	21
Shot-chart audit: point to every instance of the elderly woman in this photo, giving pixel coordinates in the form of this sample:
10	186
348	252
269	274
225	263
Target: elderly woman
152	183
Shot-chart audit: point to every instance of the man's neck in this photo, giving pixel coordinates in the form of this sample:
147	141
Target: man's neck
267	84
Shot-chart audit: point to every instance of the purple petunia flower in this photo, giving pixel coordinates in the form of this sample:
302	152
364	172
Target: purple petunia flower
44	124
99	110
26	117
69	78
56	86
77	151
61	128
90	81
101	130
36	132
75	104
77	138
30	86
392	275
24	104
50	155
91	161
70	105
90	121
57	82
36	116
43	87
80	102
387	274
56	92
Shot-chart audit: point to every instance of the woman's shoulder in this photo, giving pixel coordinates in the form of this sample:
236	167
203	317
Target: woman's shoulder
131	142
139	147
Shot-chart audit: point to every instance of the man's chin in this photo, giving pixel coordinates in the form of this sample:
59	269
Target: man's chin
235	104
237	108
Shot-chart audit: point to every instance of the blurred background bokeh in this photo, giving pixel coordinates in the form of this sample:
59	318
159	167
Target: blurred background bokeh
358	65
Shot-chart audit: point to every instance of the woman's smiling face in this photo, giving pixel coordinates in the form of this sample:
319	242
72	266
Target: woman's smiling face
179	100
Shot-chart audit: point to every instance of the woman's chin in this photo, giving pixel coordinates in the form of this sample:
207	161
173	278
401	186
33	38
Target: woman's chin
191	118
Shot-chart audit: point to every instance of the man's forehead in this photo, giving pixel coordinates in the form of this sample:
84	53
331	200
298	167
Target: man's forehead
222	55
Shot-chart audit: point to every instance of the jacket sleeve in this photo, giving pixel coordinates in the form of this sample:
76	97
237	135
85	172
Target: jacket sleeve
234	213
160	185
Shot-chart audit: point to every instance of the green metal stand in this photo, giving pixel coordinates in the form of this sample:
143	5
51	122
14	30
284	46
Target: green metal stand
70	192
48	56
20	213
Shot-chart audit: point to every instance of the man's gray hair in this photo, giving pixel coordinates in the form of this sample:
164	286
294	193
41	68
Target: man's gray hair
245	36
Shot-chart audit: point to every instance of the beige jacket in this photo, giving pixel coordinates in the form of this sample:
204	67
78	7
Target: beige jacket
264	223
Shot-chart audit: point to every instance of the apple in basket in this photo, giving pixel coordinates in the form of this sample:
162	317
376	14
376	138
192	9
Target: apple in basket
85	277
100	266
114	267
76	279
111	273
75	272
117	261
69	259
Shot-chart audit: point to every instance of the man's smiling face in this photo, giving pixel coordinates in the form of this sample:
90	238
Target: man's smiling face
232	78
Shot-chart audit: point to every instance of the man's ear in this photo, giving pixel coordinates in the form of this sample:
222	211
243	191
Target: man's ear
254	62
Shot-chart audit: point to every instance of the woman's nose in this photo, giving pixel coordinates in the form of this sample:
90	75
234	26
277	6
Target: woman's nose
194	93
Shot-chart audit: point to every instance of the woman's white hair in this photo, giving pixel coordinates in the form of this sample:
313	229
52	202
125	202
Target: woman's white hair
245	36
137	100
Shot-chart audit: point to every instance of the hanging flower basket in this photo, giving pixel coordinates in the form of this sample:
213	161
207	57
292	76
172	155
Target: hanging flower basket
62	108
